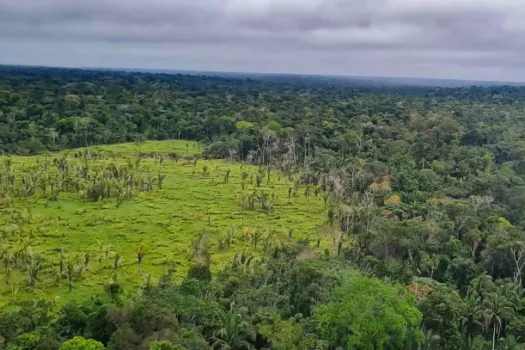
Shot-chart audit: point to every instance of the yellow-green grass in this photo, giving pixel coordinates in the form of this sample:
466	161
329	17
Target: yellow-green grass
166	221
181	147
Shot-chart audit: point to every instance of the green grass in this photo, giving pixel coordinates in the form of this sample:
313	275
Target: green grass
167	221
178	146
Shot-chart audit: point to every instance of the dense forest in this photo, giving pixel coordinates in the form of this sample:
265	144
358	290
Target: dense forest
424	191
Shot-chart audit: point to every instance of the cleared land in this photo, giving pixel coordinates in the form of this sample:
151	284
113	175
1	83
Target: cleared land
47	240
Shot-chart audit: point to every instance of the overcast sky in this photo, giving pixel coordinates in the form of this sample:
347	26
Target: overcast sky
464	39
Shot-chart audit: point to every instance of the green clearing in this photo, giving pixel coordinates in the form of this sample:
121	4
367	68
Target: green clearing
165	221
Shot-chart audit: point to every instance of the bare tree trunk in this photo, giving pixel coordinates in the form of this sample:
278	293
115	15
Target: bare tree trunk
517	258
305	150
494	337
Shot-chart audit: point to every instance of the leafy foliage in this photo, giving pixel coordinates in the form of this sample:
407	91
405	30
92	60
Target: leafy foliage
343	215
367	314
80	343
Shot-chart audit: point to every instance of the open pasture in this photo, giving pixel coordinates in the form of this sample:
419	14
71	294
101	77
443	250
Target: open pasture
71	223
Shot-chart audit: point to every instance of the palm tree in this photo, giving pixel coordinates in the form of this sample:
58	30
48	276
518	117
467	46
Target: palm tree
85	123
234	329
470	323
7	258
85	260
70	272
256	237
356	165
496	309
227	175
117	261
105	249
510	342
53	134
62	263
140	254
160	180
7	275
474	343
430	340
330	215
33	267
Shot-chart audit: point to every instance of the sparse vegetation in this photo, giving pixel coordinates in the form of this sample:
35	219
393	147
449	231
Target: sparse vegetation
94	214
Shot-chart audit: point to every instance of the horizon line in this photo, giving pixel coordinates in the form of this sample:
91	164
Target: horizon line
206	72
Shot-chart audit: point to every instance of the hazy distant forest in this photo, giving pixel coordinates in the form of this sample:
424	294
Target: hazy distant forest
157	211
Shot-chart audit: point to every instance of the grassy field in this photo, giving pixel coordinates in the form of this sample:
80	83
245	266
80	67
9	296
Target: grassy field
194	201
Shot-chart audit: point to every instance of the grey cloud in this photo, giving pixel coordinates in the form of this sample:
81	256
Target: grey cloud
474	39
133	11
